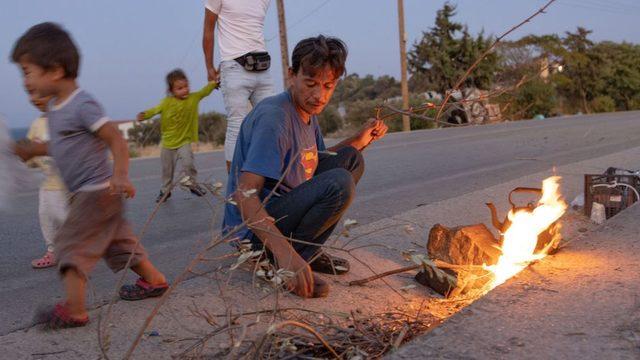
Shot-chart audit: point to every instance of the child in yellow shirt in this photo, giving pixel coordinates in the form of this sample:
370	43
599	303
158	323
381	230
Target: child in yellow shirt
53	195
179	128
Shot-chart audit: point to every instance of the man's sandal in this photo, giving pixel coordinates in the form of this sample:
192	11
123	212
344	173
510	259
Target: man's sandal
47	260
142	290
58	317
329	264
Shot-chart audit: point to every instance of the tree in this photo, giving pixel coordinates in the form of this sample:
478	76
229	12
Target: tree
353	88
445	52
621	73
582	79
524	57
145	133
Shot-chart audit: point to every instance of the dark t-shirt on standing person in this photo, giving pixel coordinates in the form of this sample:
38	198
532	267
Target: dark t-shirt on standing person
273	141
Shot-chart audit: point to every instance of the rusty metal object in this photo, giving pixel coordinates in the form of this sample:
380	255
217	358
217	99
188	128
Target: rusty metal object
548	240
503	226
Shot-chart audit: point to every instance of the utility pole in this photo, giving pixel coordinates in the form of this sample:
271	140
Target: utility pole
406	124
284	47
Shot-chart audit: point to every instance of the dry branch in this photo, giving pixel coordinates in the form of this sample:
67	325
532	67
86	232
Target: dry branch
464	77
413	111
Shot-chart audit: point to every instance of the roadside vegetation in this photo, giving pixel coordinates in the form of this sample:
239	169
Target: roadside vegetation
545	75
534	76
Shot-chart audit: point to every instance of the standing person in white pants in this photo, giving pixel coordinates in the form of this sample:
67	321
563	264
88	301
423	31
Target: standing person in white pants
53	204
244	68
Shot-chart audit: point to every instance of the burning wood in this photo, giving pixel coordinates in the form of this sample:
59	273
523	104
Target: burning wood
527	234
472	245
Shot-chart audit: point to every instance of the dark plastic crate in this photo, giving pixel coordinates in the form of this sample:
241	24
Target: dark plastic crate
614	198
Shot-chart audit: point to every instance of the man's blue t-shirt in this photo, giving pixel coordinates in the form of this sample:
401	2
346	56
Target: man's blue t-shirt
273	141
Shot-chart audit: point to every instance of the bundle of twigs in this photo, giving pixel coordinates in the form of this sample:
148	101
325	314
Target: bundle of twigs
356	336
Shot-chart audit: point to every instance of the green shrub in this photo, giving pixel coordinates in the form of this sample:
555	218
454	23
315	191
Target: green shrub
535	97
330	120
358	112
212	128
145	133
603	103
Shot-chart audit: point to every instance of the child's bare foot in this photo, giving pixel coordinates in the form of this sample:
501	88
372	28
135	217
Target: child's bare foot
59	317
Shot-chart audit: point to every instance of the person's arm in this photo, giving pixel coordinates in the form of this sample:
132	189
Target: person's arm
263	226
92	117
119	182
208	31
30	149
373	130
206	90
32	136
149	113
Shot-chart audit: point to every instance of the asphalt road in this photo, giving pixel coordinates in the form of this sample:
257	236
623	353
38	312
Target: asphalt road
403	171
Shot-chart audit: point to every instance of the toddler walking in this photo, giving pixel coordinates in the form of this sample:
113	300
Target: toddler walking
179	128
53	195
80	136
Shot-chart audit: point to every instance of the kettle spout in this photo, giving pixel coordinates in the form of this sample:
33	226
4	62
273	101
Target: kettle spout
494	217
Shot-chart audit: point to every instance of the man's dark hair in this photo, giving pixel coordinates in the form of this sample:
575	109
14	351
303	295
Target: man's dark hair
313	54
173	76
48	45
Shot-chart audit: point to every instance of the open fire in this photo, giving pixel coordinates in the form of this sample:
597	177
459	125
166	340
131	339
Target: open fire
469	258
521	238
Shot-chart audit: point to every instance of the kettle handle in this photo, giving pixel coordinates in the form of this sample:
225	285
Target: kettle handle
536	191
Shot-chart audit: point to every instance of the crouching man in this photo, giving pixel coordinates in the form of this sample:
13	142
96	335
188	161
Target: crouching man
280	149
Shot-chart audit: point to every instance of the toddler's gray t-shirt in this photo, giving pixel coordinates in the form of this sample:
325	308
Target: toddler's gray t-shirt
79	154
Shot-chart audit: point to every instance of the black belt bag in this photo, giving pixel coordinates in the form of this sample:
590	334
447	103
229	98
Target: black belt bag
255	61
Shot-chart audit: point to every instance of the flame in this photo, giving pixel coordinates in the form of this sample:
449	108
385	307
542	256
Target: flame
521	237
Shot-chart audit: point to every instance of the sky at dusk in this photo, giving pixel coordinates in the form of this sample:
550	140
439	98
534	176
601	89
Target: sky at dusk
128	46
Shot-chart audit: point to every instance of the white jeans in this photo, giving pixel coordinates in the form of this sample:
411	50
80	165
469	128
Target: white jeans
53	210
241	89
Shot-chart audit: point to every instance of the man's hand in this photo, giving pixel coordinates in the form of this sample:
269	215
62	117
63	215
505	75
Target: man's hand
301	283
264	227
371	131
122	185
140	116
213	75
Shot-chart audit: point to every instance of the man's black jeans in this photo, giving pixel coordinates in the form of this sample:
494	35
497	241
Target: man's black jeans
311	211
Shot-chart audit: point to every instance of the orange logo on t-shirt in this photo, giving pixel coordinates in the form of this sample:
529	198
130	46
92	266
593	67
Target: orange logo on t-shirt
309	161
